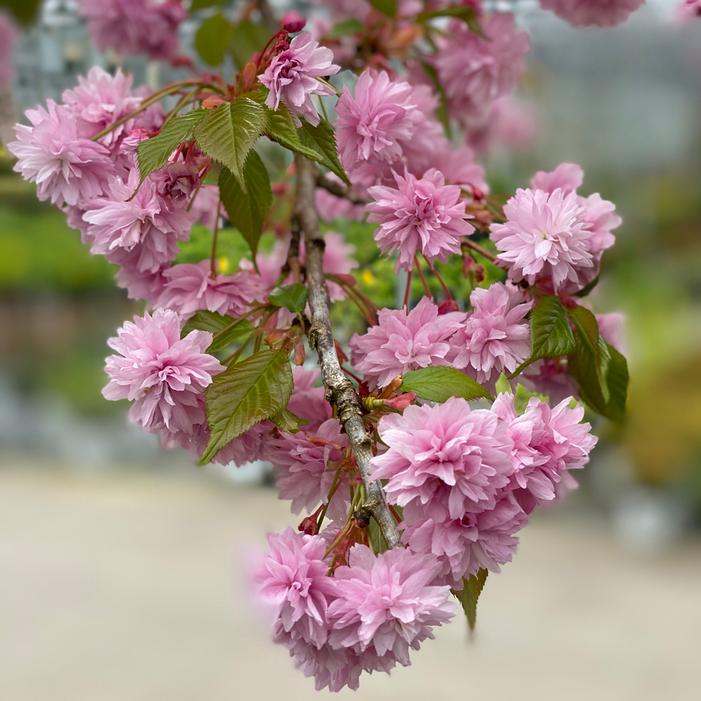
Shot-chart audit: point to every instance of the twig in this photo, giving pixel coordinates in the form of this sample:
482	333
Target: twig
467	243
339	190
339	389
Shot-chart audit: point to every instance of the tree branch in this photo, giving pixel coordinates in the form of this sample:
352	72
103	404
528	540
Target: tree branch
339	389
339	190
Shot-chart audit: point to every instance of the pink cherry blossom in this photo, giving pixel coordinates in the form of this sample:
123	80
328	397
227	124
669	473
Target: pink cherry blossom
8	40
293	77
387	603
163	375
549	377
476	71
305	464
587	13
601	219
67	168
566	176
129	27
485	539
404	341
308	400
141	232
449	456
496	337
612	329
545	236
419	216
689	9
545	442
374	124
293	578
189	287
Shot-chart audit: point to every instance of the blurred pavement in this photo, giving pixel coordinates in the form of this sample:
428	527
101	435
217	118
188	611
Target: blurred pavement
125	586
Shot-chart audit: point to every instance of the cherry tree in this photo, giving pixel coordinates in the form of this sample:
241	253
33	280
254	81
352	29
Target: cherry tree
414	453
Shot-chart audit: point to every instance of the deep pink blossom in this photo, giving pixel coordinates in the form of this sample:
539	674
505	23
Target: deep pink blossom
189	287
449	456
142	231
387	603
306	463
293	578
485	539
549	377
374	124
496	337
545	442
8	40
587	13
130	27
163	375
293	77
404	341
419	216
689	9
476	71
545	236
566	176
67	168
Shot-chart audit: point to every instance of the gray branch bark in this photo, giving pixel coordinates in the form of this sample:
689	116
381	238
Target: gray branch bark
339	389
340	190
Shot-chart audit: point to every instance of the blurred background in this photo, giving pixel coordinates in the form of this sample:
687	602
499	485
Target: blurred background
123	568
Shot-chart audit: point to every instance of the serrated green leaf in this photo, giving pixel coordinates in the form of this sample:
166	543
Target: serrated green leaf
287	421
154	153
377	541
503	386
551	333
225	330
322	139
438	383
257	388
247	38
292	297
386	7
469	595
247	207
227	133
588	288
522	396
213	39
617	379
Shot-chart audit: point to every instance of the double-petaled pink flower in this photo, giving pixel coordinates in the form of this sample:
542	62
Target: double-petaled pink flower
587	13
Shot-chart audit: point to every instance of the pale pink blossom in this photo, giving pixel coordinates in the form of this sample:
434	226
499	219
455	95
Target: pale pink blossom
8	41
566	176
476	71
141	232
689	9
189	287
419	216
67	168
403	341
449	456
496	337
293	578
588	13
387	603
459	167
374	123
485	539
612	328
601	219
306	462
545	237
545	441
308	399
130	27
293	77
549	377
138	284
163	375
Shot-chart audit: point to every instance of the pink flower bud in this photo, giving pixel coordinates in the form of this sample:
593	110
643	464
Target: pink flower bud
293	22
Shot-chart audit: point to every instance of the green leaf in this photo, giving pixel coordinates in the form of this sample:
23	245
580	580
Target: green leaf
617	382
247	38
204	4
287	421
257	388
322	140
378	543
247	207
469	595
551	333
386	7
522	396
588	288
25	12
154	153
503	386
442	111
225	330
292	297
439	383
462	12
228	132
213	39
346	27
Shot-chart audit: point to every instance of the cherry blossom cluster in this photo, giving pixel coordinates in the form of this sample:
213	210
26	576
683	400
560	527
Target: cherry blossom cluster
461	465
